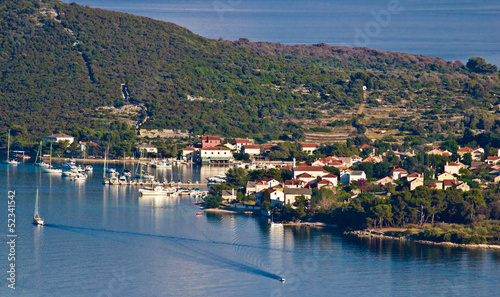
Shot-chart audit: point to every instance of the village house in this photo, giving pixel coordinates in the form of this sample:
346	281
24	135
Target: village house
415	180
439	152
331	178
239	143
147	148
189	153
492	160
291	194
229	146
294	184
373	159
445	176
464	150
58	137
210	141
229	195
268	148
277	197
306	177
398	173
314	171
364	146
324	183
384	181
453	167
84	145
356	160
346	161
309	148
266	184
251	188
251	149
348	176
328	161
216	155
463	186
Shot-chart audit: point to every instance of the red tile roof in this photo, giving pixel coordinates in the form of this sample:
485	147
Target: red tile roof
306	175
330	176
251	146
309	145
309	168
237	140
189	148
215	148
205	138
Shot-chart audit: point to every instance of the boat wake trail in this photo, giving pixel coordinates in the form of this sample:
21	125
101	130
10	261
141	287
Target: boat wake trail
181	242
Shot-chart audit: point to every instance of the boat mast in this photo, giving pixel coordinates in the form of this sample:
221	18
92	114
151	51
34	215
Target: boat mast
8	146
105	159
50	158
37	215
38	153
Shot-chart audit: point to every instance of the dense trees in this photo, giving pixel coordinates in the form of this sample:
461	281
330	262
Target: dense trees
57	70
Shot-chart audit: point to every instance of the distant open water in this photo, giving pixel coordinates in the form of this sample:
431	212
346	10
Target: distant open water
450	29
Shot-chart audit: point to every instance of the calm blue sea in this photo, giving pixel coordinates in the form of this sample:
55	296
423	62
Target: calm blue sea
451	29
108	241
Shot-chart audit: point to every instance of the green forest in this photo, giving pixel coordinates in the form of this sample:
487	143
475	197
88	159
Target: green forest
60	62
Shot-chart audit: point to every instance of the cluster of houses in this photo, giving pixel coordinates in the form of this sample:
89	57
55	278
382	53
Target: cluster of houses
213	150
305	178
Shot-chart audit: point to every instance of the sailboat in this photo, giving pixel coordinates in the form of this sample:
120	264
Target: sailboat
51	169
40	162
104	179
37	220
8	161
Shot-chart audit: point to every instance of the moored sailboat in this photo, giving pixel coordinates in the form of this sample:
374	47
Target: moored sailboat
8	160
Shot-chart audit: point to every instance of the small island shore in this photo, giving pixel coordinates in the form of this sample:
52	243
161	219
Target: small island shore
372	234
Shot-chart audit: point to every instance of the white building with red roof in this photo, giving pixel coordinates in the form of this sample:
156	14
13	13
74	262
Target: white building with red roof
59	137
251	149
332	178
398	173
416	180
188	151
309	148
492	160
314	171
215	154
306	177
453	167
239	143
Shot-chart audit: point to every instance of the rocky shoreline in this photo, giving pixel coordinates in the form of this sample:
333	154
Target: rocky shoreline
371	234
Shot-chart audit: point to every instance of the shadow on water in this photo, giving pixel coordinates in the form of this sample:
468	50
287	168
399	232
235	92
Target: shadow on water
209	257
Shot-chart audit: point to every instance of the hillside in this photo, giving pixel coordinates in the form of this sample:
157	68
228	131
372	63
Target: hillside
61	62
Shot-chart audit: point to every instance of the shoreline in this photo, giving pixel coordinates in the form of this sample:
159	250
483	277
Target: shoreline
257	213
367	234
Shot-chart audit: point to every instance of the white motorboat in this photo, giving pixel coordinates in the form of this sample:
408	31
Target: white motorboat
157	191
79	176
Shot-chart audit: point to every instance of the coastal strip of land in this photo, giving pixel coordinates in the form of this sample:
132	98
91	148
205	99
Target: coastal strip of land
372	234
